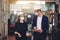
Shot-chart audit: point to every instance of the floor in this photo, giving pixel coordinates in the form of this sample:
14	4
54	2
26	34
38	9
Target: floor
10	38
13	38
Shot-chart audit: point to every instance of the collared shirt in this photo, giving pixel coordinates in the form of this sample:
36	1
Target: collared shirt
39	21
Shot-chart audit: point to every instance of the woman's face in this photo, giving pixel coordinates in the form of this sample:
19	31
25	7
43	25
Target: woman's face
21	17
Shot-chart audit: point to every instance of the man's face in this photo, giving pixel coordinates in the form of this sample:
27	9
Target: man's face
38	12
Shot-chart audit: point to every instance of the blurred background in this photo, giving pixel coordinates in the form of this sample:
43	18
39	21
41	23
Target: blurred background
10	8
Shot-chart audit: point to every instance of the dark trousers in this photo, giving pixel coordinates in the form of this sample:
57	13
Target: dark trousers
39	36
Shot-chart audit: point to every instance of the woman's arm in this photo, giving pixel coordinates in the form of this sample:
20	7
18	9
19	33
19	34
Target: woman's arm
16	31
15	28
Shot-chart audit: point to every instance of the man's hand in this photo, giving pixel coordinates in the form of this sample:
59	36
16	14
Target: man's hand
40	31
34	29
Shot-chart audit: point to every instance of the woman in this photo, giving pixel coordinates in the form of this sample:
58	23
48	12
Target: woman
20	27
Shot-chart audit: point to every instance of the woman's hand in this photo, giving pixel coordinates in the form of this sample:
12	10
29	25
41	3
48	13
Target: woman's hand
16	32
19	35
28	34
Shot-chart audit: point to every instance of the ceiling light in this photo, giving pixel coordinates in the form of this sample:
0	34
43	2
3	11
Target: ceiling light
28	2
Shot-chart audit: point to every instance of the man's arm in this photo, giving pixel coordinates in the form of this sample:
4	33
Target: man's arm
34	22
46	24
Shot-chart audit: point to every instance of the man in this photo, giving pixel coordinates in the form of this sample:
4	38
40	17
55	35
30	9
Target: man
40	25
